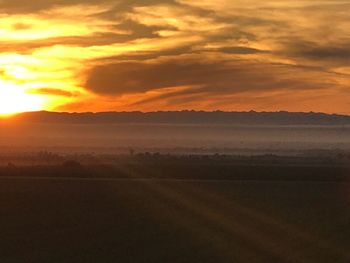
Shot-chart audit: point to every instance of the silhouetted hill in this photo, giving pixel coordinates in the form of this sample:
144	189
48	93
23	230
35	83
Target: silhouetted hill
189	117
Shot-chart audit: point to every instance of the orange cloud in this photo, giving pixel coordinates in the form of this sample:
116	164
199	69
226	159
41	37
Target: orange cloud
176	54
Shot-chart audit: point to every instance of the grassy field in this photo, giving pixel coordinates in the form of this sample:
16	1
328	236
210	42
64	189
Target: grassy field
151	220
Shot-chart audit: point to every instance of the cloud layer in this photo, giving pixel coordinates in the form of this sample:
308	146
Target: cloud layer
178	54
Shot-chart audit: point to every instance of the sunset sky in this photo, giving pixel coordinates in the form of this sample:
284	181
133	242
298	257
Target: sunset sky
149	55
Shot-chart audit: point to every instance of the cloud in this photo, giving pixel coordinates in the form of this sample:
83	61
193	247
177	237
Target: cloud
208	76
50	91
22	6
240	50
159	53
328	54
121	32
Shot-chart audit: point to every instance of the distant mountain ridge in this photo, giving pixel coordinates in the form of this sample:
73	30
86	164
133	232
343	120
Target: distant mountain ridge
187	117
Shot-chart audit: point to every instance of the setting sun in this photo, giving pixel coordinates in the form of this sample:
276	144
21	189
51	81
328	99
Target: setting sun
175	131
13	99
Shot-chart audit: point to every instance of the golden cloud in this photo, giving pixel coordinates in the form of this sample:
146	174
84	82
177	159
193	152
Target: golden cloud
153	55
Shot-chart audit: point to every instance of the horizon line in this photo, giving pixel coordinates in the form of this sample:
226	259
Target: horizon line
179	111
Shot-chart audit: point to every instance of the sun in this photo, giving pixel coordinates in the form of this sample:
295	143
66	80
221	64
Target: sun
14	99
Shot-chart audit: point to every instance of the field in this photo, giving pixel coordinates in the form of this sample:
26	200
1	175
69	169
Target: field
181	217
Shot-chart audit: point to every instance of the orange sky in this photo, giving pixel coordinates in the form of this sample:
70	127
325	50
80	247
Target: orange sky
93	55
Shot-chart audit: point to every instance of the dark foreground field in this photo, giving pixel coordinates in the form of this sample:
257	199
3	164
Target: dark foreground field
60	219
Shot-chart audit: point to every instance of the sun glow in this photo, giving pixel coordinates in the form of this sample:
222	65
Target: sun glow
14	99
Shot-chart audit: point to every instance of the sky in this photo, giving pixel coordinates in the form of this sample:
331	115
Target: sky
150	55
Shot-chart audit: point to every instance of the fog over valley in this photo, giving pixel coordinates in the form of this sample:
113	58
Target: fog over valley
187	131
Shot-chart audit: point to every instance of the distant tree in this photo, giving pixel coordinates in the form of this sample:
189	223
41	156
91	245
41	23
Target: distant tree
131	151
72	164
11	165
48	157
